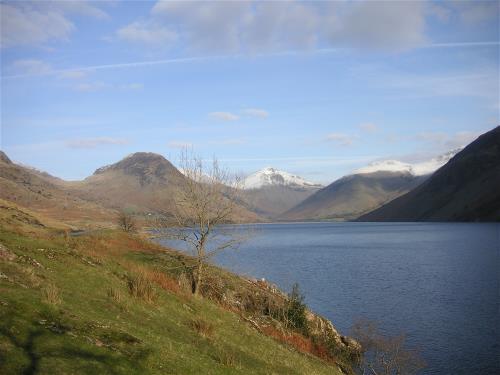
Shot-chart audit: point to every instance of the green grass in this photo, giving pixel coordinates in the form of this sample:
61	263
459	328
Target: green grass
66	308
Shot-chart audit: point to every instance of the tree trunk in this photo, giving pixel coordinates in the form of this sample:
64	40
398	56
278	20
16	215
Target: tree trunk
199	278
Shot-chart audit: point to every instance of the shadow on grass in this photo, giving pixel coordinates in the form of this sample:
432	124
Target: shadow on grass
30	345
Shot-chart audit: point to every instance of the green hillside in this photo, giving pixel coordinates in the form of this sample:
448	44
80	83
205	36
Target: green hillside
108	302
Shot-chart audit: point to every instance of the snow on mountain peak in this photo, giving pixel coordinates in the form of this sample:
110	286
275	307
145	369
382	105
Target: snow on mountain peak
270	176
416	169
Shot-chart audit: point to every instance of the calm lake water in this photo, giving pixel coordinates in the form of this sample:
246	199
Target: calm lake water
436	282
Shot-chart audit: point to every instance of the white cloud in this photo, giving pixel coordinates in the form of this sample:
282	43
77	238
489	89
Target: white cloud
31	67
153	34
385	25
73	74
368	127
91	86
35	23
229	141
180	144
95	142
448	141
132	86
341	139
224	116
256	112
474	12
255	27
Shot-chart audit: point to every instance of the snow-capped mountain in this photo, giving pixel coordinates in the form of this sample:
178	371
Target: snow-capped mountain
415	169
273	177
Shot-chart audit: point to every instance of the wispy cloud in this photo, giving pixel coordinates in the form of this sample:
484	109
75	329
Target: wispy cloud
368	127
229	141
36	23
341	139
224	116
147	33
180	144
31	67
448	140
95	142
73	74
131	86
256	112
90	86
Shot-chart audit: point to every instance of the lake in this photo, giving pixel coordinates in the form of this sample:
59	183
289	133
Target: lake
436	282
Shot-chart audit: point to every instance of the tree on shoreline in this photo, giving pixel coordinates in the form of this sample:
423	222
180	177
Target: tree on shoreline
384	355
206	200
126	221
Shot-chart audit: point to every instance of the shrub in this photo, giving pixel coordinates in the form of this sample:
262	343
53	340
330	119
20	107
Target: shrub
51	295
202	327
296	310
225	357
126	221
115	294
141	287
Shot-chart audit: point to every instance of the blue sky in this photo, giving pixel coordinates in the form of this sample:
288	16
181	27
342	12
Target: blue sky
317	89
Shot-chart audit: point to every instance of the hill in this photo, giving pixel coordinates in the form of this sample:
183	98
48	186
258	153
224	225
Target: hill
464	189
46	194
113	303
353	195
142	182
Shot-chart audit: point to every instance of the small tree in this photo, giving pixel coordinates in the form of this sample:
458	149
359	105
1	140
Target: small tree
126	221
384	355
296	310
206	200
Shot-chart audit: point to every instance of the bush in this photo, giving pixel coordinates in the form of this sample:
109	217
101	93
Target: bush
126	222
141	287
202	327
51	295
296	310
115	295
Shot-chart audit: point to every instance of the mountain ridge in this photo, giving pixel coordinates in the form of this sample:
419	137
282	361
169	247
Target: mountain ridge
464	189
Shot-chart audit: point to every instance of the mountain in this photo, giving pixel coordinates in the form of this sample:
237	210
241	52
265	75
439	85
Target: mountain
464	189
365	190
273	177
270	192
141	181
416	169
39	191
144	182
353	195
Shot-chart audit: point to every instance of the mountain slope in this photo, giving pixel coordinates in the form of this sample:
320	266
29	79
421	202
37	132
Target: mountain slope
271	201
270	192
465	189
353	195
39	191
273	177
416	169
144	182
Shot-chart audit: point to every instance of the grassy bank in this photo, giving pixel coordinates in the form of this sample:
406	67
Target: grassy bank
108	302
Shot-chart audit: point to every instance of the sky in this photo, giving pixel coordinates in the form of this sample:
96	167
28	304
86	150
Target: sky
318	89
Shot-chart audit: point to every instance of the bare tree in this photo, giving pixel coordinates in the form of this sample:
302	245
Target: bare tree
208	199
126	221
384	355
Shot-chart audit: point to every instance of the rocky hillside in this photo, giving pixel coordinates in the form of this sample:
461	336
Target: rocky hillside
465	189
